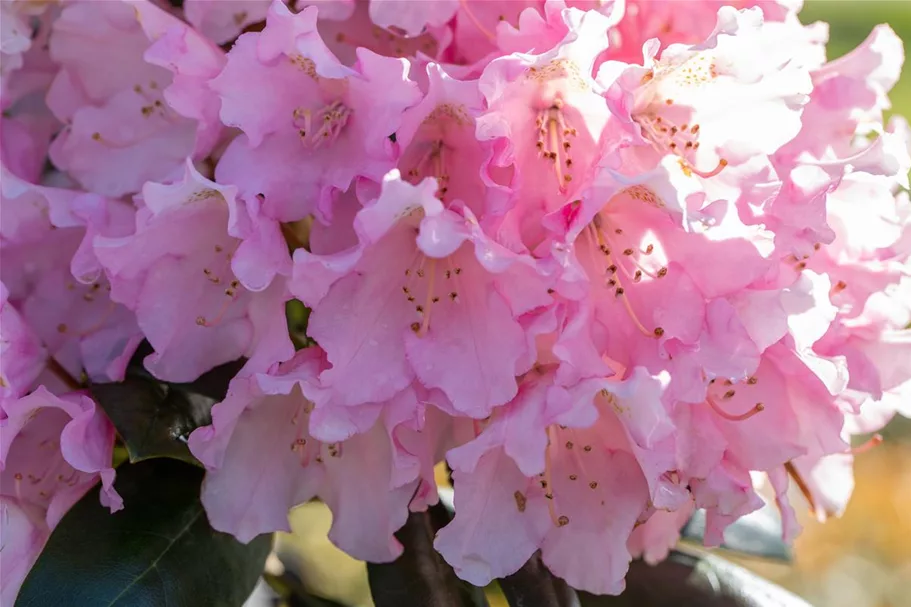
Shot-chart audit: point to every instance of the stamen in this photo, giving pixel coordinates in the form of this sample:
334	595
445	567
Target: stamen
202	321
548	477
428	304
620	291
875	441
681	142
551	143
475	21
758	408
801	484
101	322
324	127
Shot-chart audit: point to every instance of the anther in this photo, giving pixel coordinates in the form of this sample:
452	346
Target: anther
662	272
587	448
520	501
563	521
593	485
573	477
569	444
729	394
659	332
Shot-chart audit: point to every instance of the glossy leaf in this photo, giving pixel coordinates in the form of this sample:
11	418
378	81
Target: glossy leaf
756	534
153	419
158	550
534	586
420	577
686	580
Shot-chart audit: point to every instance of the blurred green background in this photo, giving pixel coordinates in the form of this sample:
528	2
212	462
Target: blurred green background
849	23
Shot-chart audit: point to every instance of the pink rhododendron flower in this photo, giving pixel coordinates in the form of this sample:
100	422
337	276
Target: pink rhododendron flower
211	317
309	112
444	316
612	262
223	21
121	131
53	450
55	280
22	355
261	434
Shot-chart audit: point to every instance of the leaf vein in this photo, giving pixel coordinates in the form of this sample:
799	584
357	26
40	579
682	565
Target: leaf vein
154	564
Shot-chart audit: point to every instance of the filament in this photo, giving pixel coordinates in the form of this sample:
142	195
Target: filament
758	408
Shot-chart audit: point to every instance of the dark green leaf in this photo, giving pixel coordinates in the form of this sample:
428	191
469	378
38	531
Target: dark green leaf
153	418
685	580
534	586
158	551
756	534
420	577
214	383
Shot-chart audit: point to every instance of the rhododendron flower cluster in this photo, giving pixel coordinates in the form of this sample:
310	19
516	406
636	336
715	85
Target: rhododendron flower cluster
612	261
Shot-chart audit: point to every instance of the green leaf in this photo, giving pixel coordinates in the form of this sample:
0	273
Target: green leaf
213	383
691	580
757	534
534	586
153	418
158	551
420	577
